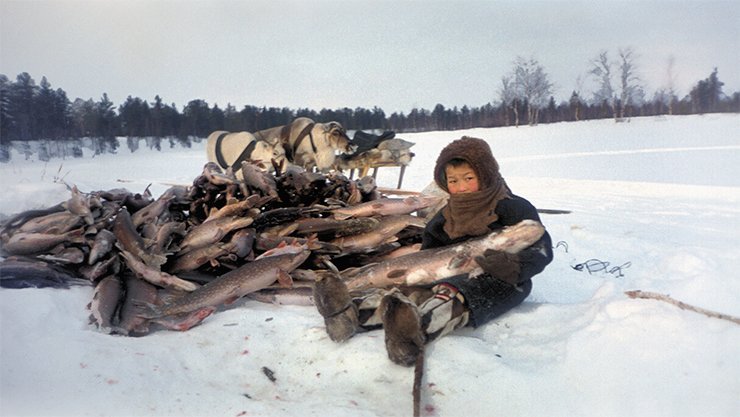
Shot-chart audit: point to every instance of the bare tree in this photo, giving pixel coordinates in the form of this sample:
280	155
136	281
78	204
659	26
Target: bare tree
630	90
601	69
671	83
532	85
509	96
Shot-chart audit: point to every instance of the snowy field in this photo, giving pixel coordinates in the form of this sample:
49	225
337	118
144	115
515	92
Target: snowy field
658	199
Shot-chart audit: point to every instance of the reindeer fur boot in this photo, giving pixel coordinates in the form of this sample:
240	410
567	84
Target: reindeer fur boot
404	337
408	327
334	303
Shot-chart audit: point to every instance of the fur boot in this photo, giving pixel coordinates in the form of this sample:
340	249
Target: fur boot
404	337
335	305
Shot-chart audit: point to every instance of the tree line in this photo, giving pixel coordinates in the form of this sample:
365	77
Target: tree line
39	112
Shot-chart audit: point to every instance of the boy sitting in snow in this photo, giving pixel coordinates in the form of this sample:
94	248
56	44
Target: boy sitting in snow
480	202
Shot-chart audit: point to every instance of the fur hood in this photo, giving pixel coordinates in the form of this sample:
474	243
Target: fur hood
477	153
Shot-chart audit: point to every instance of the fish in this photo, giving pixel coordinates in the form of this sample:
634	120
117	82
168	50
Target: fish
60	222
266	241
13	223
257	179
281	216
296	296
155	276
105	214
195	258
101	246
209	233
21	272
129	240
238	208
104	306
64	255
229	287
151	212
213	173
137	291
164	236
337	227
35	243
400	251
386	206
101	268
429	265
184	321
385	232
295	246
79	205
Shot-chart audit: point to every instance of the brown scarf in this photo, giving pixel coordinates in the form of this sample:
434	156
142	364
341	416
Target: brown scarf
469	214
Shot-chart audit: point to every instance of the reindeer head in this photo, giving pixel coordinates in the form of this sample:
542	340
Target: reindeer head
269	150
338	139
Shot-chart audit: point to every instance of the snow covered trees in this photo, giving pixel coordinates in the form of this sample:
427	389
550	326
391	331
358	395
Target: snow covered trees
629	91
528	84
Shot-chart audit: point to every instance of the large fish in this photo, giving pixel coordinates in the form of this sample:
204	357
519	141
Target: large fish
386	206
385	232
239	244
105	304
155	276
153	211
8	226
137	291
337	227
429	265
165	235
238	208
34	243
60	222
103	243
19	272
227	288
211	232
129	240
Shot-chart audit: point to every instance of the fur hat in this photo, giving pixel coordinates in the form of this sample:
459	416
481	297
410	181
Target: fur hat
475	152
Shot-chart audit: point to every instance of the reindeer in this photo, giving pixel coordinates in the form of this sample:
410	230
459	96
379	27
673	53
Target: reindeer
228	150
310	144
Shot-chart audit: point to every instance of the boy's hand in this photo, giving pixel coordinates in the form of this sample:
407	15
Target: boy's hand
501	265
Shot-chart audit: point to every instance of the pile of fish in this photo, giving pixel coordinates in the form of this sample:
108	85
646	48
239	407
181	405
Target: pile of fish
201	245
176	259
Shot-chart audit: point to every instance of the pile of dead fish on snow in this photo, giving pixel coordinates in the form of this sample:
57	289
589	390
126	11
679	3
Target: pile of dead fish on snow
175	259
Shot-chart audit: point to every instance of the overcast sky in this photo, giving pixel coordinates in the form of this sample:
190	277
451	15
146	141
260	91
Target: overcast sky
395	54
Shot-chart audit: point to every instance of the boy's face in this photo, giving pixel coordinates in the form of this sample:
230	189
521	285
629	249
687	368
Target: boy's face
461	179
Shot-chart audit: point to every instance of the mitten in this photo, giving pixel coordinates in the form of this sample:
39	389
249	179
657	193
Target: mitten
500	265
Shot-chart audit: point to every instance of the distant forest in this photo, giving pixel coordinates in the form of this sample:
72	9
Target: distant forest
39	112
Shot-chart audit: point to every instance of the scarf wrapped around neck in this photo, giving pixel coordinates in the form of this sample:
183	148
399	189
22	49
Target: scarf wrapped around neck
469	214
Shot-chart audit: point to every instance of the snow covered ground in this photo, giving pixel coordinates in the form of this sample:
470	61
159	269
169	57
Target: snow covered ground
658	199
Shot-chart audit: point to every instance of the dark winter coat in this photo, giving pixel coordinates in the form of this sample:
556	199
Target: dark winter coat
486	296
